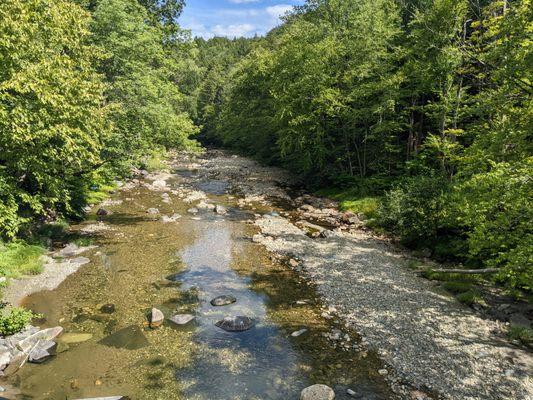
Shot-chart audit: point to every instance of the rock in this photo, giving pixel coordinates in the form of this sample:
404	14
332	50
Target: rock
182	319
172	218
223	300
152	211
257	238
43	350
159	184
519	320
16	363
75	337
108	308
156	318
418	395
102	212
293	263
351	392
383	372
193	210
27	344
220	209
317	392
236	323
130	338
298	333
5	358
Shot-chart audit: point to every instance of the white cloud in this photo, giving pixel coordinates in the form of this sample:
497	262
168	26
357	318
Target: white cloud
278	10
234	30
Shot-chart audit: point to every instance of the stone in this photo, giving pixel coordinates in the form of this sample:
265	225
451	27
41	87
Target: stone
156	318
42	351
16	363
220	209
152	211
317	392
223	300
102	212
351	392
130	338
192	210
26	345
236	324
5	358
519	320
257	238
182	319
172	218
383	372
75	337
108	308
299	332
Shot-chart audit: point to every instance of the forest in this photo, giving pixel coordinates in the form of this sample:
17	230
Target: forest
416	113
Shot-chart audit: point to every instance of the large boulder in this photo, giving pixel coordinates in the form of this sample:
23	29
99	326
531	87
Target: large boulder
317	392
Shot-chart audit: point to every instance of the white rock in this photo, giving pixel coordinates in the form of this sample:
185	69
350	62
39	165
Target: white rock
317	392
298	333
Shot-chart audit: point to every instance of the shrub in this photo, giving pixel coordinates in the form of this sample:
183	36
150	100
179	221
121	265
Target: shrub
15	321
456	287
415	209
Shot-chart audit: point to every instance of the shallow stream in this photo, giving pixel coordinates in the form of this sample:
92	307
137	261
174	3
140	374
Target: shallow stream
205	255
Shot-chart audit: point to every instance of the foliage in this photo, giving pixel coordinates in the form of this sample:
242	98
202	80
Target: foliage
523	334
19	258
15	321
457	287
470	297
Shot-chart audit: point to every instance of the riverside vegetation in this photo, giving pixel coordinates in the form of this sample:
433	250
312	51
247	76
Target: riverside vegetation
416	113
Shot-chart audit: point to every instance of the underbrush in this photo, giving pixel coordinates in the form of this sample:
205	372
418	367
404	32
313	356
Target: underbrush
20	258
352	200
154	160
15	320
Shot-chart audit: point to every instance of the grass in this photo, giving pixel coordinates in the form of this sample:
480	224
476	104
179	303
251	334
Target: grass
352	200
470	297
155	160
457	287
20	258
99	193
521	333
447	277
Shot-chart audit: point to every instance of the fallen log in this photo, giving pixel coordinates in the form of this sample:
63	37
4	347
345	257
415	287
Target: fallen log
468	271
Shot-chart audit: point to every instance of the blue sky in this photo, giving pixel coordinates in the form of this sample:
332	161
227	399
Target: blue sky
233	18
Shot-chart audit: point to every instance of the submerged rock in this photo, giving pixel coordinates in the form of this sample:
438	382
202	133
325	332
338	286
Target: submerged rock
156	318
182	319
75	337
131	338
236	324
299	333
223	300
317	392
108	308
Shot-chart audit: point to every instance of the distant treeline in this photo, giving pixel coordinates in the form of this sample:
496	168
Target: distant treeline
424	103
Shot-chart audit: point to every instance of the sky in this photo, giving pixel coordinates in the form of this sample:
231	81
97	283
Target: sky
233	18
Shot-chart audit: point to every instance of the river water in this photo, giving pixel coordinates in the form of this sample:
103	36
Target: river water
206	255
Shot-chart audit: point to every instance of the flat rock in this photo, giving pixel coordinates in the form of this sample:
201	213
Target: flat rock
156	318
43	350
172	218
152	211
131	338
182	319
236	324
75	337
223	300
317	392
193	210
26	345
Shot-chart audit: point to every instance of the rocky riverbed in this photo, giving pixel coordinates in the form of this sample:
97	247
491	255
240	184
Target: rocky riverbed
218	278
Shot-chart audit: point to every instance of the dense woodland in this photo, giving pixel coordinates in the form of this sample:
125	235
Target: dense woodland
423	105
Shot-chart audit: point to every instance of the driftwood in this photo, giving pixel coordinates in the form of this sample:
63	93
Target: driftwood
468	271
